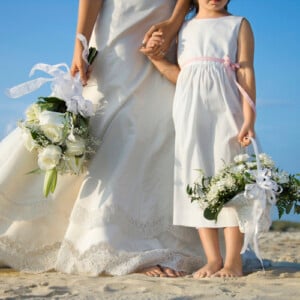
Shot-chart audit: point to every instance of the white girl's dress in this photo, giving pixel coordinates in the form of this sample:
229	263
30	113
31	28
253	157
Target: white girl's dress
117	217
207	112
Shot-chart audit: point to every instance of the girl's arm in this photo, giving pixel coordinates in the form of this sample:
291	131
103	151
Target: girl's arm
167	69
88	11
246	78
169	29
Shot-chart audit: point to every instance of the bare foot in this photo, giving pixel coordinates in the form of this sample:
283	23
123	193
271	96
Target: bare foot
154	271
228	272
208	270
172	273
159	271
234	269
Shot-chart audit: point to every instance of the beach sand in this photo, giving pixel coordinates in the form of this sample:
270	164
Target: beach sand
279	281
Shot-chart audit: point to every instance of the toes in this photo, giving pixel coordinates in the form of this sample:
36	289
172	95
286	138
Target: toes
169	272
152	271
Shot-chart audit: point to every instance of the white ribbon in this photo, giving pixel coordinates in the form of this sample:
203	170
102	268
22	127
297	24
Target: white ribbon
261	193
63	85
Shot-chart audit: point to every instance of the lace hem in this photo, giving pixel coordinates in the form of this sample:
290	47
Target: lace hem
103	259
20	257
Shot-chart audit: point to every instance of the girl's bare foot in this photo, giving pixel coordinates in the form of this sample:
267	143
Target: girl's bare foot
233	269
208	270
228	272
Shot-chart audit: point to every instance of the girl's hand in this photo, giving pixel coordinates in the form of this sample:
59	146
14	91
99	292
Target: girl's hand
79	65
152	48
167	31
244	134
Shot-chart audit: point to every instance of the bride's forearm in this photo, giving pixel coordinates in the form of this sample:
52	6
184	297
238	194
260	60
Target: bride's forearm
179	12
87	14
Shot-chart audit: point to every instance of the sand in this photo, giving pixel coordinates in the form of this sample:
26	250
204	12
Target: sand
279	281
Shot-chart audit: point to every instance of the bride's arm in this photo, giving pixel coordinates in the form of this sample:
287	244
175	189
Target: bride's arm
88	11
169	29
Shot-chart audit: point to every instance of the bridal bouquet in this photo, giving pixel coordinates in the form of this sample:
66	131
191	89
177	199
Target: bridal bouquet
57	127
245	175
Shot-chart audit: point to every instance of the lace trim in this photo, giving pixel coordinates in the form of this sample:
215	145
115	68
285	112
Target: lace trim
243	207
103	259
20	257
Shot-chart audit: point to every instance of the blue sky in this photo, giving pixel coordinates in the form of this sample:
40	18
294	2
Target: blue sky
34	31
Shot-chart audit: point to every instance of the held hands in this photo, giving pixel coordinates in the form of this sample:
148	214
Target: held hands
152	48
246	131
166	32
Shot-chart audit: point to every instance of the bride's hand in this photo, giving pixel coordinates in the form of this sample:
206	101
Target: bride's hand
79	65
168	33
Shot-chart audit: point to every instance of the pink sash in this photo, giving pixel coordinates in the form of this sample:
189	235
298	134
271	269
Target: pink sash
230	69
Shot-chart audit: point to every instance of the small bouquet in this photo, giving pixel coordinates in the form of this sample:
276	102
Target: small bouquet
243	175
251	185
57	127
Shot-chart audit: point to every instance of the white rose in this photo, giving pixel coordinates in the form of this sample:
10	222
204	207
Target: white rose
52	124
28	140
53	133
33	113
49	157
76	147
48	117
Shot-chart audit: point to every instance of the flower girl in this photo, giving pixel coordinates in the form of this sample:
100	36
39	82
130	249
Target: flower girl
214	119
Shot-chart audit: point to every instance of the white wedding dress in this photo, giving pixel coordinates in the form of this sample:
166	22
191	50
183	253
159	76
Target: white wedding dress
117	217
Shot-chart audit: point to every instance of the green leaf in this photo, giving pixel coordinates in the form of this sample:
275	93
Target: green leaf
36	171
50	181
210	215
92	54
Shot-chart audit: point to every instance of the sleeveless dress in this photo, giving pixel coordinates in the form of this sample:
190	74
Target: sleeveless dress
117	217
207	112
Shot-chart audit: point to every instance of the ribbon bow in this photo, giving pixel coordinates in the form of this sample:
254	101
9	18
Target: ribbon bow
261	193
63	85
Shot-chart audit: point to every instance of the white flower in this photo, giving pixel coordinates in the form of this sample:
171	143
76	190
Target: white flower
52	124
49	157
48	117
28	140
251	165
266	160
283	177
74	164
238	168
76	147
53	133
33	113
241	158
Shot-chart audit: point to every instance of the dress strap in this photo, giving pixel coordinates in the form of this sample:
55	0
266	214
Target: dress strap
230	69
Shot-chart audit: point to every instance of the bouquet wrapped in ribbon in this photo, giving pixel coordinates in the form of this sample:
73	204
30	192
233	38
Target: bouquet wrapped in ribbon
57	127
251	181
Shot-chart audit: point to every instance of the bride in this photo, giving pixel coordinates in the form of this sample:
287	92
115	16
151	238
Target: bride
116	218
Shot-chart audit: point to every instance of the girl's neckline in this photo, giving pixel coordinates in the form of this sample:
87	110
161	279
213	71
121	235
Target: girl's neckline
213	18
